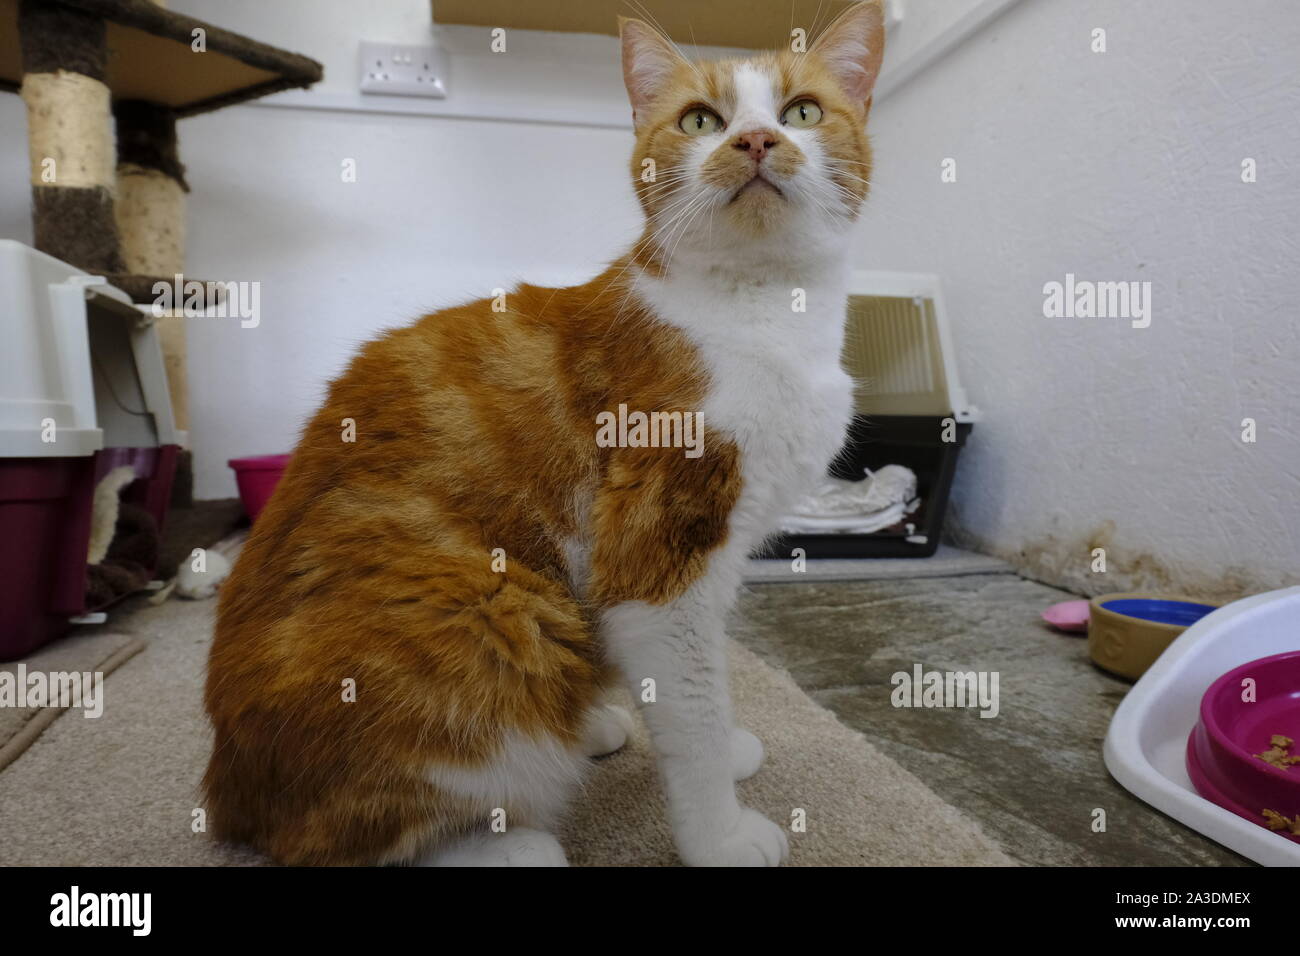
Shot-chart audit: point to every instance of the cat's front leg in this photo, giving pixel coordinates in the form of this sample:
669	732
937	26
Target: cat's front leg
673	658
664	571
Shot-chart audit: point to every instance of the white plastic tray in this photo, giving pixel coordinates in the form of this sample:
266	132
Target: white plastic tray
54	317
1146	744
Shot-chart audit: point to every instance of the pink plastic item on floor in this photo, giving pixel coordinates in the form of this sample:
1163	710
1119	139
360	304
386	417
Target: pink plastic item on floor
1068	616
257	478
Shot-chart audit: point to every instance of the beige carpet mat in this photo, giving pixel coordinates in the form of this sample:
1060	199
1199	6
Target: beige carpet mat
86	651
121	790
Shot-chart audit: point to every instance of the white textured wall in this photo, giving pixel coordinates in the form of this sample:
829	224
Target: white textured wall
1116	166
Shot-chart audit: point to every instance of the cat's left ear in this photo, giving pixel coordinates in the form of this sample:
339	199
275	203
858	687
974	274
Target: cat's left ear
649	61
852	47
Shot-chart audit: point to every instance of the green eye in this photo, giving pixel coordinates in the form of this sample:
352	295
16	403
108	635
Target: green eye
803	113
699	122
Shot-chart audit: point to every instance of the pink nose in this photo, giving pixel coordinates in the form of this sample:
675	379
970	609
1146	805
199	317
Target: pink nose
756	143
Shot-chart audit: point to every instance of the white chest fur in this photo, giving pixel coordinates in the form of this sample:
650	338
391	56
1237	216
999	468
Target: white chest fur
772	350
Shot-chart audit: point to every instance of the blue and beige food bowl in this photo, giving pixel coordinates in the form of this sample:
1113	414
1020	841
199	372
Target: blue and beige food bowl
1127	632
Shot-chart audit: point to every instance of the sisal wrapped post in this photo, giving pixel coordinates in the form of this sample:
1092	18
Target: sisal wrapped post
150	214
70	135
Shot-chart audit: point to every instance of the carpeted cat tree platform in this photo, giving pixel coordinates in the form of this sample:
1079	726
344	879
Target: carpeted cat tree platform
113	205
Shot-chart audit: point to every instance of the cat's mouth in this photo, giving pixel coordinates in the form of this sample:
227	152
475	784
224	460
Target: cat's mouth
758	184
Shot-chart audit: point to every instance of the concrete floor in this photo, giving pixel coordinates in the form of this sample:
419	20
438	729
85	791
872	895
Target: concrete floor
1033	774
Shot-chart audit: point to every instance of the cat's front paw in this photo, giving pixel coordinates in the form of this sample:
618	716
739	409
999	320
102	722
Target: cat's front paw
746	754
607	729
754	840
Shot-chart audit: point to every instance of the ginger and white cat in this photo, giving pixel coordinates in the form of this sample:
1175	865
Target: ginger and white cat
419	631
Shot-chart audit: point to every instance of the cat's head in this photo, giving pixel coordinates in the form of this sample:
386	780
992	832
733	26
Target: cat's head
753	154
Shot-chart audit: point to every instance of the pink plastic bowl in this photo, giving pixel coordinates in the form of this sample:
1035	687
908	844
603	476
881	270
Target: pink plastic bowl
1222	745
257	478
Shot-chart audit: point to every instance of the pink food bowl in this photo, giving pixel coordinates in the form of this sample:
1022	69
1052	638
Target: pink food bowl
257	478
1221	749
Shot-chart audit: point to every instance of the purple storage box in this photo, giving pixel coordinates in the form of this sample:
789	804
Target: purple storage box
45	512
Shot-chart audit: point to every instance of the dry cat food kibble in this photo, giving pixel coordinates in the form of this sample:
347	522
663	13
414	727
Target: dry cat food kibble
1275	821
1278	754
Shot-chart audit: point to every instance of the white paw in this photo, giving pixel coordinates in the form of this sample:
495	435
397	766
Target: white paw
533	848
516	847
198	585
753	841
607	730
746	754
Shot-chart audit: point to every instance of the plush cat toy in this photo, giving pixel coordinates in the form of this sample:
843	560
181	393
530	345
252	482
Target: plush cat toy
124	542
415	640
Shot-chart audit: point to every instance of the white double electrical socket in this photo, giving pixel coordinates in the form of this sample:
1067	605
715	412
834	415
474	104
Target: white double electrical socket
402	70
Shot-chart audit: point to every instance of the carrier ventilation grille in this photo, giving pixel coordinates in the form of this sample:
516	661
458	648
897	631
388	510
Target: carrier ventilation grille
892	349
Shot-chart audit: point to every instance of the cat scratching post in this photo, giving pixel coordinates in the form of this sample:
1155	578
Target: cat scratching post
150	213
70	135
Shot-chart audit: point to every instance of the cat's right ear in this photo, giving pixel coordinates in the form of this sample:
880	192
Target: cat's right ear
648	62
